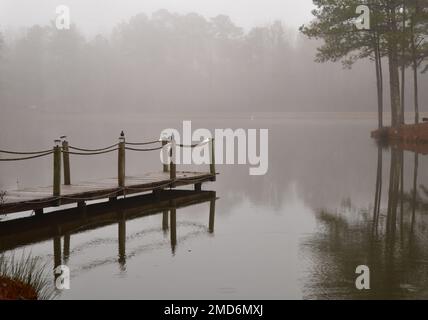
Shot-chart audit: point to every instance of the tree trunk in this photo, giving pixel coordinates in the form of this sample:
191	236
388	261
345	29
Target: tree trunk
415	71
416	94
379	80
394	79
403	63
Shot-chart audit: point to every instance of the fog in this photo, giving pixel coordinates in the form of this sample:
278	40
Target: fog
95	16
196	56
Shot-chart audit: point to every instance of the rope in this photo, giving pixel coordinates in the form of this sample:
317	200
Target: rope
93	150
142	143
89	153
28	158
194	145
152	149
23	153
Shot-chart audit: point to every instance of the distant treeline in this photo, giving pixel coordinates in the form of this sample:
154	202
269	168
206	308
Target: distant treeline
177	62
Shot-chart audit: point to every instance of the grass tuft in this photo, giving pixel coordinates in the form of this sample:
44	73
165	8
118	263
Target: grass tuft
30	271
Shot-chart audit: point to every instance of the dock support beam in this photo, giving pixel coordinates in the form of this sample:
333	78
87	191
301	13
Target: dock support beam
212	164
57	169
66	162
121	161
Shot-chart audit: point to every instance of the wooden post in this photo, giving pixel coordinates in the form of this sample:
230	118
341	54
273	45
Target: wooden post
57	169
212	165
66	162
121	161
165	166
173	166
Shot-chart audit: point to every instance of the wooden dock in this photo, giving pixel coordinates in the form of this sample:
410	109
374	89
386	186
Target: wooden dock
39	198
64	191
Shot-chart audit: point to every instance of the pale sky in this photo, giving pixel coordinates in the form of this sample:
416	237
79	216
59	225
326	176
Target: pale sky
94	16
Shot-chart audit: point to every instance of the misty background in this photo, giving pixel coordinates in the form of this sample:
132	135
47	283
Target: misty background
194	55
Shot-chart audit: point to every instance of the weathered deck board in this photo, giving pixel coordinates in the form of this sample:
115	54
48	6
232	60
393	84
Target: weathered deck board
41	197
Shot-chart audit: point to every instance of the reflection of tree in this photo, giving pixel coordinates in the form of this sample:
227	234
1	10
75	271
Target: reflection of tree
347	240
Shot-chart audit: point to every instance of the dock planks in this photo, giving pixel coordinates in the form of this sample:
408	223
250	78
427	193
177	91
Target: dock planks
41	197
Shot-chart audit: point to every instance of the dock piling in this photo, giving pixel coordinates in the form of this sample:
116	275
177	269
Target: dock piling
66	162
121	161
212	164
57	169
173	166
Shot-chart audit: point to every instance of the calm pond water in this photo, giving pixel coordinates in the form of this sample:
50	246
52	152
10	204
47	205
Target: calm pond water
298	232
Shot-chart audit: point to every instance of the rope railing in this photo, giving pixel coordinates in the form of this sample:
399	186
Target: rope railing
24	153
61	161
93	150
143	143
27	158
200	144
88	153
143	150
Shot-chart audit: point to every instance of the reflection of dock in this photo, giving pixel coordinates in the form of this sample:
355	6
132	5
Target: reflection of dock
419	148
407	133
64	223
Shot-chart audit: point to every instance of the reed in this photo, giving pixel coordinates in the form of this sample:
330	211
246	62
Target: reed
29	271
2	197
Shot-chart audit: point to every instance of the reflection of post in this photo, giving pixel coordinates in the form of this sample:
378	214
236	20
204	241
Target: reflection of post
212	215
393	193
66	247
401	194
165	221
173	231
415	183
122	242
378	194
57	253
